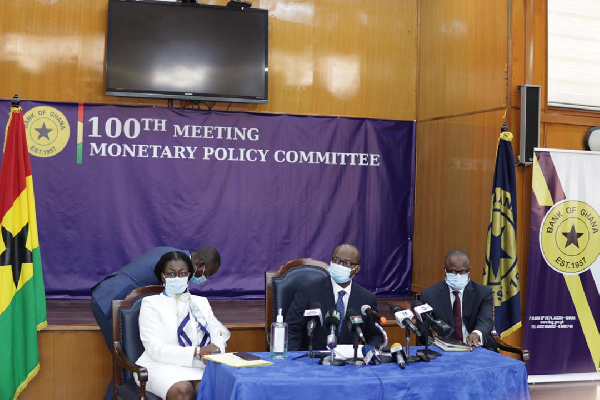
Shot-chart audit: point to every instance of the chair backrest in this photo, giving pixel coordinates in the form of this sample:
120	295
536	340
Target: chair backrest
281	285
126	328
523	353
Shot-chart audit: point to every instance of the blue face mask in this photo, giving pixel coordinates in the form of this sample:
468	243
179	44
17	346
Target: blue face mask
175	286
339	273
199	280
457	281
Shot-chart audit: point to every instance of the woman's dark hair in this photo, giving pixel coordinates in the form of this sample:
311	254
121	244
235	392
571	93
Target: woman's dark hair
172	256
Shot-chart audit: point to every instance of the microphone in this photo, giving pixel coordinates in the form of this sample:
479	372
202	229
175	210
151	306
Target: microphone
370	355
398	355
332	321
354	322
315	318
404	318
423	311
367	310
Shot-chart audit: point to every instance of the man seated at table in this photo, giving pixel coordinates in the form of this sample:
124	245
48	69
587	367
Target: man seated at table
334	292
463	304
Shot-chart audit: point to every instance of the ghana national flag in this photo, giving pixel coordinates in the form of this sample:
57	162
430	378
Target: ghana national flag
501	271
22	295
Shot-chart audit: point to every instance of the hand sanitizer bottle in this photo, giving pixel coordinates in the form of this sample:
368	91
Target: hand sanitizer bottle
279	339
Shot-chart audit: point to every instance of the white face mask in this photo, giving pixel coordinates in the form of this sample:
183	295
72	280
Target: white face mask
457	281
175	286
339	273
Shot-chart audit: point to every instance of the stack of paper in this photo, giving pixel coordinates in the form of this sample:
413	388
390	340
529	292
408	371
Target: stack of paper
235	361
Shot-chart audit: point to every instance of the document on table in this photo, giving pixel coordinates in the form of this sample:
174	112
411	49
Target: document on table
343	351
235	361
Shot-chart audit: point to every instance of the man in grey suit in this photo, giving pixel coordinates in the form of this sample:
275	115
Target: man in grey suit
463	304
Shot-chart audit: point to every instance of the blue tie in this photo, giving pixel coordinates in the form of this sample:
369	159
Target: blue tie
340	307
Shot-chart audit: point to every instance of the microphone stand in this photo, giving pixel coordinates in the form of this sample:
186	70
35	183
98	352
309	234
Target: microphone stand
330	359
409	358
310	353
427	355
355	360
384	358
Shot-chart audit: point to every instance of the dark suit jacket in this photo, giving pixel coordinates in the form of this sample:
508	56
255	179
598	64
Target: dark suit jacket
321	291
477	306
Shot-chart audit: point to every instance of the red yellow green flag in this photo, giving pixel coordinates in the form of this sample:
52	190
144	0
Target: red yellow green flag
22	295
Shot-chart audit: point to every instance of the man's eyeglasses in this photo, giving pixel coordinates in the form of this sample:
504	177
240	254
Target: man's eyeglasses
463	272
345	263
182	274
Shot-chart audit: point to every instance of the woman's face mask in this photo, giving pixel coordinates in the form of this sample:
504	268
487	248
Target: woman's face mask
175	286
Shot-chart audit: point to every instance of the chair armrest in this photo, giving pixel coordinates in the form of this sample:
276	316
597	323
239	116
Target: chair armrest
502	345
120	359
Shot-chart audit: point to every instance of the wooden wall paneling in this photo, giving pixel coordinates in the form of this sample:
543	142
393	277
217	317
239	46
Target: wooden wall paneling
246	337
455	167
389	74
462	57
91	77
571	117
540	49
45	40
351	58
81	355
291	51
517	57
43	382
75	364
529	45
561	136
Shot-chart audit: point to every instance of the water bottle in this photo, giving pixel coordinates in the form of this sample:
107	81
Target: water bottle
279	339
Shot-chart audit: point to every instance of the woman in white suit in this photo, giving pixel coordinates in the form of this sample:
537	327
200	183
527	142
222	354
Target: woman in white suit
176	329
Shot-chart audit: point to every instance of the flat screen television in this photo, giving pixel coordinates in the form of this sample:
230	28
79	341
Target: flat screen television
187	51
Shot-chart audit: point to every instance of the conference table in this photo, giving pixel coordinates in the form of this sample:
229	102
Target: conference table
454	375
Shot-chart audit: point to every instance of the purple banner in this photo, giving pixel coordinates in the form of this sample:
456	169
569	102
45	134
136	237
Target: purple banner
111	182
562	330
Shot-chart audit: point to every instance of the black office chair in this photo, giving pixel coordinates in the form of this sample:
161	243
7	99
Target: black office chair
128	346
281	286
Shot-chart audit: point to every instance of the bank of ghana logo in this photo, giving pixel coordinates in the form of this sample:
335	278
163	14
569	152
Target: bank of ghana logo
47	130
570	237
501	272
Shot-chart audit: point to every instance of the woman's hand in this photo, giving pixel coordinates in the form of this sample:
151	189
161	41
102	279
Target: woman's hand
210	349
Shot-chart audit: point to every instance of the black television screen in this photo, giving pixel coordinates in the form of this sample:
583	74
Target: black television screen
186	51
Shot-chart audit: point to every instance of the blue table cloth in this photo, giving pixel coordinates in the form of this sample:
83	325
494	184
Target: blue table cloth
455	375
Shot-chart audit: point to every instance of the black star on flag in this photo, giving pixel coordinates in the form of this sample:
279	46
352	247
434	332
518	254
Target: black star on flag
15	254
44	132
572	237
